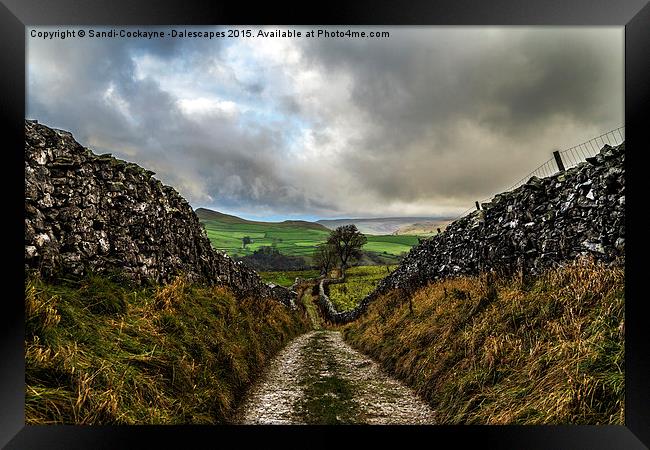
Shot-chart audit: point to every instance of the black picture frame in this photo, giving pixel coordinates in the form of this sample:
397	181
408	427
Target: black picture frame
15	15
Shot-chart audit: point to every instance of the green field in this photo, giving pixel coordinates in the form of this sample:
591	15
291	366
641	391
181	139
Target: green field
290	241
360	281
291	238
287	278
393	245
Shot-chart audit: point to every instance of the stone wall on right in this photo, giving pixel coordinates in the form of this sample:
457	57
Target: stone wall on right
539	225
536	226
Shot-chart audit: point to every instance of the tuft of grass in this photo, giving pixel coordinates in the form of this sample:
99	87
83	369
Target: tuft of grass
483	350
98	351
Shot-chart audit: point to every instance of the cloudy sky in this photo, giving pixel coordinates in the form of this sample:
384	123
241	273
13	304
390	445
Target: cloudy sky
422	123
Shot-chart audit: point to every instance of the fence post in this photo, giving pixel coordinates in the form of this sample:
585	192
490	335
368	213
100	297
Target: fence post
558	160
478	207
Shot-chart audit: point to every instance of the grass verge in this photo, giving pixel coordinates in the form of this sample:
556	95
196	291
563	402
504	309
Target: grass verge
328	398
500	351
100	351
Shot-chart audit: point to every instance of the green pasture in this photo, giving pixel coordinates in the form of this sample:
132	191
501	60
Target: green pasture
291	240
287	278
359	282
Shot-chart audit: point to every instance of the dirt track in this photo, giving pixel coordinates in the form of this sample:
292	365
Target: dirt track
319	379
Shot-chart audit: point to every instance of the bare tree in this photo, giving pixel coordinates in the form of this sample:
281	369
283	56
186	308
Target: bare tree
324	257
347	240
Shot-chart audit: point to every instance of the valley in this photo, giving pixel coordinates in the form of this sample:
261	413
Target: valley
293	238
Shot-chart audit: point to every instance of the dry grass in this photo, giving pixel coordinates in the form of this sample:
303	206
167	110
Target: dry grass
98	351
500	351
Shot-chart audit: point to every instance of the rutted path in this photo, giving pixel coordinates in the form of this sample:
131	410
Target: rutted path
319	379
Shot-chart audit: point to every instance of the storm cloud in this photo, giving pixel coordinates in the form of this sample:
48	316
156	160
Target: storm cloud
423	122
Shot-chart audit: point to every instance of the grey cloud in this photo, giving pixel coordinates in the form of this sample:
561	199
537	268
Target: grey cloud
253	88
422	90
290	104
193	156
437	117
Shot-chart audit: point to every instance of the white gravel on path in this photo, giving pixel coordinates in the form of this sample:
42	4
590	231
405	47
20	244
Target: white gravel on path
284	390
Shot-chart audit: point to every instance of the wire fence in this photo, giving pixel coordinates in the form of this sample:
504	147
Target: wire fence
568	158
577	154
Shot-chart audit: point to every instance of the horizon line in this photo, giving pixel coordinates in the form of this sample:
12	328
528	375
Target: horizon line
308	218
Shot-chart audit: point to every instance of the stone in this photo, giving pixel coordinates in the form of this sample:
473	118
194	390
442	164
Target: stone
620	243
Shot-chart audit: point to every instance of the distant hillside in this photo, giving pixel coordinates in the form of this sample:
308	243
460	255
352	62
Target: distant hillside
208	214
382	225
424	228
293	238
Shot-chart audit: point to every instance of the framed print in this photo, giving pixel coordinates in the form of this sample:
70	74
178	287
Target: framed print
277	219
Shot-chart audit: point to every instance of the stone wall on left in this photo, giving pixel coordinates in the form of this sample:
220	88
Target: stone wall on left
93	213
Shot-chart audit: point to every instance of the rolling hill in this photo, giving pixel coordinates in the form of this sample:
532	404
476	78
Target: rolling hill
427	228
383	225
291	237
208	214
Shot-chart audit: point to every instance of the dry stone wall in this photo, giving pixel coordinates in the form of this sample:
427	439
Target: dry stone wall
537	226
327	308
85	212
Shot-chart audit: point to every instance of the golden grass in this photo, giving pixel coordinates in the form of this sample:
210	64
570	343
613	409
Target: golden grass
483	350
100	352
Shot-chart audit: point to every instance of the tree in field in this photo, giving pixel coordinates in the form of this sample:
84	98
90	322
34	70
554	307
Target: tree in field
245	241
324	257
347	241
